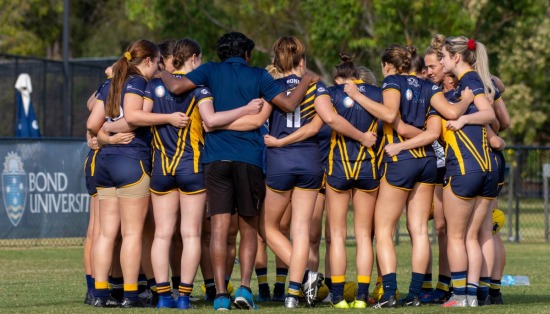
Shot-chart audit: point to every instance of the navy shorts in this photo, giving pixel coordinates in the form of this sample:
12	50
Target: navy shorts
287	182
471	185
404	174
186	183
234	187
343	184
119	171
89	169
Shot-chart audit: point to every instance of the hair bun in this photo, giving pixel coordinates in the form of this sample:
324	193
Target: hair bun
411	50
438	41
346	57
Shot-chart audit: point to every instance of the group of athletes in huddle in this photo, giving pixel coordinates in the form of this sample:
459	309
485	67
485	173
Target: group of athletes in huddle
224	148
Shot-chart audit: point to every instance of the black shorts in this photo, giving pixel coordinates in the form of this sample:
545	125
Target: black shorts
234	187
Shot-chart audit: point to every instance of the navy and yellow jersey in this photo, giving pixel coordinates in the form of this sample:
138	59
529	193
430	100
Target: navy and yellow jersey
139	147
498	94
286	160
104	85
449	94
414	109
347	157
89	171
282	124
264	129
325	133
467	150
177	151
323	137
380	142
89	163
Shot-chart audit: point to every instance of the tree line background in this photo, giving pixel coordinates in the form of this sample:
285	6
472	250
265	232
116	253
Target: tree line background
516	33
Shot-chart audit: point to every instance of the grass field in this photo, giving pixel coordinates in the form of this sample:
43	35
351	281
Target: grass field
51	280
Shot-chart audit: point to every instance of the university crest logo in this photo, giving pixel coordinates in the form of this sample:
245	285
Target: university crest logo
14	187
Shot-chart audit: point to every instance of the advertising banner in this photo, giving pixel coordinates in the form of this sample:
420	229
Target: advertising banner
43	189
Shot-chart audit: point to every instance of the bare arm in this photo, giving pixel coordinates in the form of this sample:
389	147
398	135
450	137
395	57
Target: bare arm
386	112
119	138
288	103
92	141
91	101
213	119
176	85
134	114
248	122
96	118
502	115
325	110
452	111
495	141
405	130
432	132
484	116
301	134
120	125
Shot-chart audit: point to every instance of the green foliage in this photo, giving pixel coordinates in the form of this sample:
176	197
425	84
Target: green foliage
30	27
516	33
522	62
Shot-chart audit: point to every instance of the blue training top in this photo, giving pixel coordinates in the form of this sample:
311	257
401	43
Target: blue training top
234	84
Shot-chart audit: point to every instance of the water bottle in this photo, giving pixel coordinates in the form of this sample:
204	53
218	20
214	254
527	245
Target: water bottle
509	280
521	280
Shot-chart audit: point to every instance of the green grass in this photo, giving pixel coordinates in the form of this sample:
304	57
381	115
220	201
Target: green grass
51	280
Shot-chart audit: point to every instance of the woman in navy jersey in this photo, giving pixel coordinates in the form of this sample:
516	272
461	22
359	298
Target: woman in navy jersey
471	182
351	175
177	179
435	74
291	176
122	171
409	167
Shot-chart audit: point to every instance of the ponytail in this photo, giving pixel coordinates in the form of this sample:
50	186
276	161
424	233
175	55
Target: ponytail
475	55
399	57
288	53
125	67
482	68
